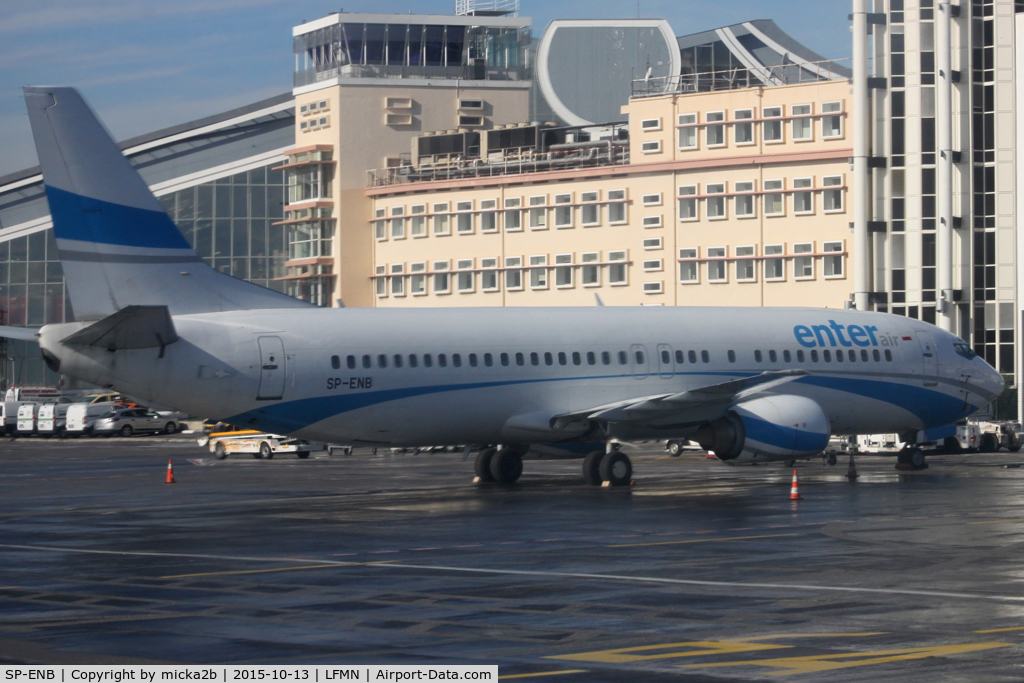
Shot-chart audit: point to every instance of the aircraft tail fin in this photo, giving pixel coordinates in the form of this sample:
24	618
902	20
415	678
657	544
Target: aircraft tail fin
118	246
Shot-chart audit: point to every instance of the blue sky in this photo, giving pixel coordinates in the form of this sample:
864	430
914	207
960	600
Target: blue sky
148	64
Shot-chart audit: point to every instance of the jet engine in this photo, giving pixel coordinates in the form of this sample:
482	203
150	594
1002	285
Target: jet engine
769	428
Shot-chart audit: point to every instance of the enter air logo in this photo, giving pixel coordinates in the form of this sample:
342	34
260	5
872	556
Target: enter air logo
835	334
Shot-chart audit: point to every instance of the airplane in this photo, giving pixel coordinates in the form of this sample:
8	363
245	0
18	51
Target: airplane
750	385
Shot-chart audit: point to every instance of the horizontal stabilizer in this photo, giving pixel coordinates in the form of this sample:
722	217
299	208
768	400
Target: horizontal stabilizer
23	333
133	327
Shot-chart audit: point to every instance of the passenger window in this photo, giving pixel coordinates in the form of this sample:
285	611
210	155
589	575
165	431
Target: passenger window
852	354
888	355
732	356
800	356
666	357
839	356
606	358
504	359
428	360
692	355
827	355
705	357
639	357
548	358
787	357
591	358
521	359
577	359
472	360
679	357
814	356
382	361
488	360
623	358
456	360
366	361
412	360
336	362
773	357
561	358
442	360
758	357
351	362
398	360
864	355
534	358
877	356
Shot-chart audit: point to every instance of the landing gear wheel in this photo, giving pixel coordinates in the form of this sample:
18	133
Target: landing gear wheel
592	468
266	452
675	448
917	460
506	466
616	469
832	459
482	466
219	452
302	455
170	428
126	430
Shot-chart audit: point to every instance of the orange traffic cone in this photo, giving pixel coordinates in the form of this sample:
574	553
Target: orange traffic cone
794	492
170	473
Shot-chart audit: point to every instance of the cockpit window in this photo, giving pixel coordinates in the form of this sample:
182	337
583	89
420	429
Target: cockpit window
964	350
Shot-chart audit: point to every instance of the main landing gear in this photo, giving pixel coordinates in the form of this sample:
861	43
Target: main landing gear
911	459
612	466
501	465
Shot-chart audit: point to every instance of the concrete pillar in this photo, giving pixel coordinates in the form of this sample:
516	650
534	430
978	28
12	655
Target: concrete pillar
944	130
861	147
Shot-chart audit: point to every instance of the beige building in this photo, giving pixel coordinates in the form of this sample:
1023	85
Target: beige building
729	197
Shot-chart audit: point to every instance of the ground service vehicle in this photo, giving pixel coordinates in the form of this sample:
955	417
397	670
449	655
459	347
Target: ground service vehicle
81	417
259	446
51	420
27	419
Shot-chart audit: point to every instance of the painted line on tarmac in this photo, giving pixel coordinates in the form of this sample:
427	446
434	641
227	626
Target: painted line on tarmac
697	540
549	574
1002	630
560	672
332	565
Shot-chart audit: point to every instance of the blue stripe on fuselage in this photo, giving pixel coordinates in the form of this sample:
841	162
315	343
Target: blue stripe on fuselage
91	220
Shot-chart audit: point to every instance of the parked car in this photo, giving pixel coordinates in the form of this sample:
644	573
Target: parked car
81	417
128	421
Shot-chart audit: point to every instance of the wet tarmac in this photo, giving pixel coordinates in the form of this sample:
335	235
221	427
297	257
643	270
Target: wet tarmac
699	572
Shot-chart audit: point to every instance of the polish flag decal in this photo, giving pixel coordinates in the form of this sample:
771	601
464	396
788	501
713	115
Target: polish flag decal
906	339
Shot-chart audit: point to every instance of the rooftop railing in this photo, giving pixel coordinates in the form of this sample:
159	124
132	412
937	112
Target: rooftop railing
573	156
735	79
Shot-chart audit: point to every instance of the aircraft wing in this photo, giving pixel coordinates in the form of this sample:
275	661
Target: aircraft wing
22	333
704	403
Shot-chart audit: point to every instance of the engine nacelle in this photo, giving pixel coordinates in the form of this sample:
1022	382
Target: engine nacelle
769	428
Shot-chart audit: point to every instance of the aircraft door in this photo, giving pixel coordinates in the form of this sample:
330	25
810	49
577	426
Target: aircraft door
929	357
272	369
638	354
665	366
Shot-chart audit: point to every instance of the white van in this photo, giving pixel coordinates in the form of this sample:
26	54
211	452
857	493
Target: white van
27	418
51	419
82	416
9	416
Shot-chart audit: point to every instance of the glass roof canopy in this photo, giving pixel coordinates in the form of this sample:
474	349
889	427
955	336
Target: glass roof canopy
411	46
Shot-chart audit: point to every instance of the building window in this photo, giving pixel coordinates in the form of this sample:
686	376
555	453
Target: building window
802	128
590	210
418	222
309	183
380	227
513	273
688	271
715	134
650	147
488	215
774	268
442	281
715	205
688	203
513	216
617	268
803	198
832	125
538	216
381	281
688	133
653	287
563	271
397	281
745	266
652	221
538	272
465	276
650	124
397	223
653	265
489	274
803	266
652	243
773	199
772	130
744	203
651	199
464	217
563	210
833	197
833	264
716	268
441	226
743	133
418	278
616	206
590	273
